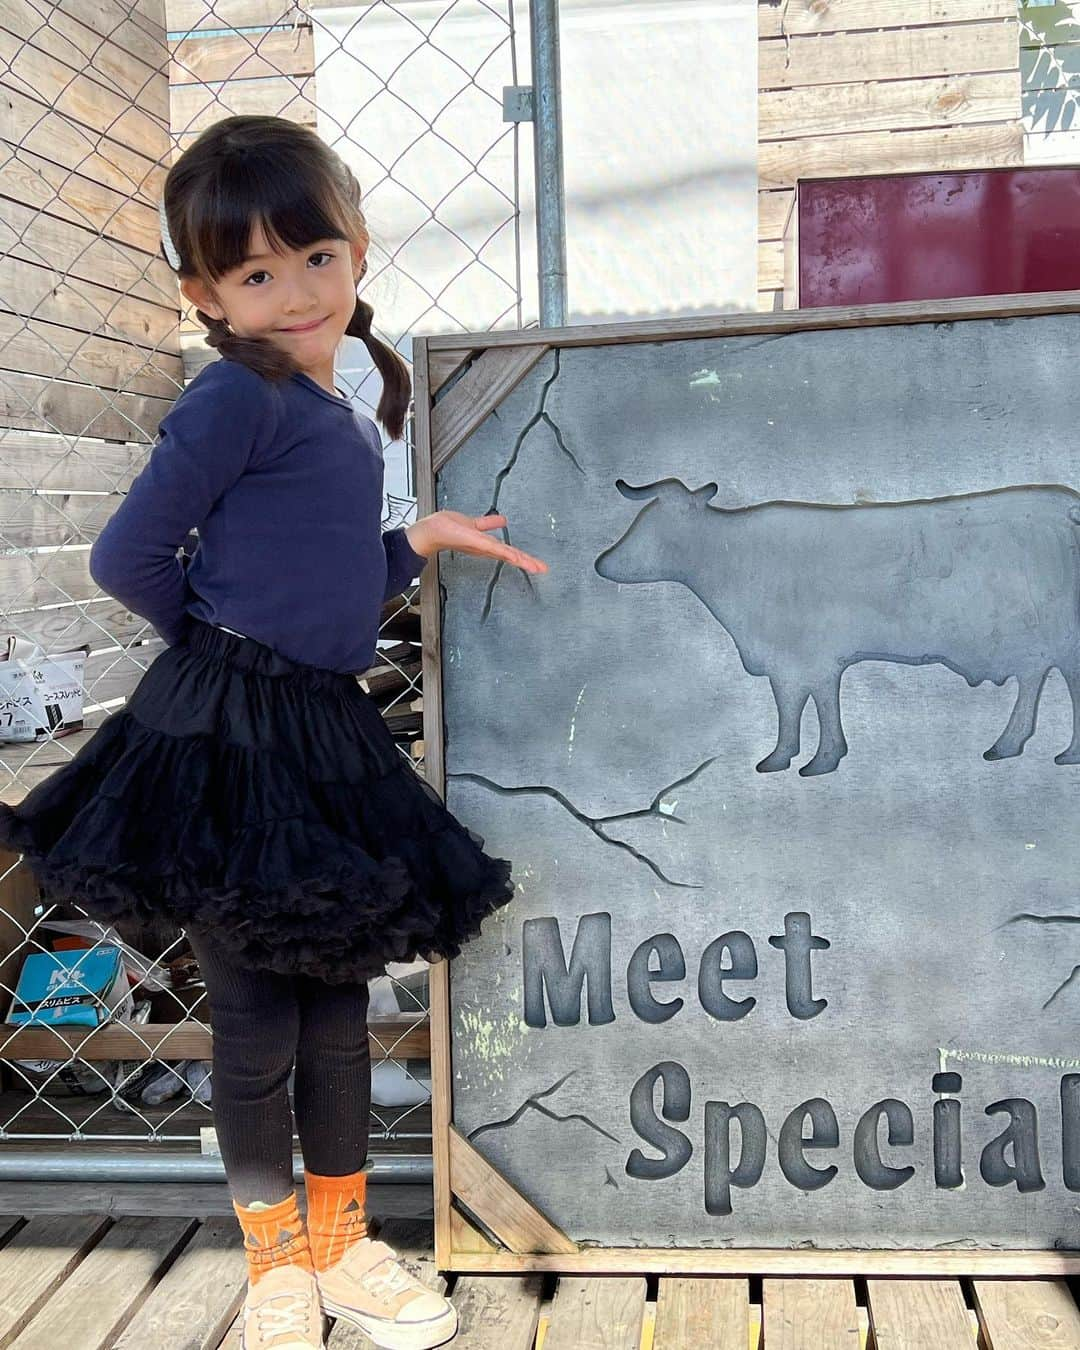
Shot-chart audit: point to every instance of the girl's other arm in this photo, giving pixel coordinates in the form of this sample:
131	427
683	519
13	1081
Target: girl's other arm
207	441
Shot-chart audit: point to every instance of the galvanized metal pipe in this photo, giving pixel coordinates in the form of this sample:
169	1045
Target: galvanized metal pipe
72	1164
548	155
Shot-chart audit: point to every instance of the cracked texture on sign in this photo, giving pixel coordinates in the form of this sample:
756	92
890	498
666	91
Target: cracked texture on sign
617	741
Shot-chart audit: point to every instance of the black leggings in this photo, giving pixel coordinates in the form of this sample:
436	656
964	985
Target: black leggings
263	1025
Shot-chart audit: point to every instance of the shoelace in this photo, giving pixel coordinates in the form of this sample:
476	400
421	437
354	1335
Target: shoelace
290	1318
386	1279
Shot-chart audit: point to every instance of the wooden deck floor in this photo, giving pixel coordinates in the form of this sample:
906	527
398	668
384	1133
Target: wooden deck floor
133	1282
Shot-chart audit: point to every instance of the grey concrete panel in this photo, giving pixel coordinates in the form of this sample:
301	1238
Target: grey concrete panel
794	701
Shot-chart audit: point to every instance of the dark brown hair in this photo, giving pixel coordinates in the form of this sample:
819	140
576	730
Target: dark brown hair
266	170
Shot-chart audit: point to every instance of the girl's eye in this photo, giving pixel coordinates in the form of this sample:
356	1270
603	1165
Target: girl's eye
256	277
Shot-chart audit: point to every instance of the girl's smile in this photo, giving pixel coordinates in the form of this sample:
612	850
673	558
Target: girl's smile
303	327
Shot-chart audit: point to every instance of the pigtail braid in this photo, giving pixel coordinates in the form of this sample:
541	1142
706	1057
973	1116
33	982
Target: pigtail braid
257	354
397	385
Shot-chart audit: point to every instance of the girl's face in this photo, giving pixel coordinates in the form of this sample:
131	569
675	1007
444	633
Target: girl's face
301	300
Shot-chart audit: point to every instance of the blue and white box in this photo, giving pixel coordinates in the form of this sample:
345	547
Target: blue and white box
81	988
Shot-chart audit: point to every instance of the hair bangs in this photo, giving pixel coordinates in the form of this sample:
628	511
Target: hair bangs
294	203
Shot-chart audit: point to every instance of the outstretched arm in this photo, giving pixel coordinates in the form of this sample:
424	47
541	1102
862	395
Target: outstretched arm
468	534
403	563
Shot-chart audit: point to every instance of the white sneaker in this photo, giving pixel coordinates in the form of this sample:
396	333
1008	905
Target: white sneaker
370	1289
281	1312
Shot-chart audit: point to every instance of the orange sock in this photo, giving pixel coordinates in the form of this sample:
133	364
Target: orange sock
335	1215
274	1235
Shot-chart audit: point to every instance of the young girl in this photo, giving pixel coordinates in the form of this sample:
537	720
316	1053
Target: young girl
250	791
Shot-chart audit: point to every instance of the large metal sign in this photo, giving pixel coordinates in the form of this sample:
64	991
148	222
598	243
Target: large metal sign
785	750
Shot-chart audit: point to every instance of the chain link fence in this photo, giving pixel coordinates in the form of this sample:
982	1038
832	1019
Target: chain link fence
94	347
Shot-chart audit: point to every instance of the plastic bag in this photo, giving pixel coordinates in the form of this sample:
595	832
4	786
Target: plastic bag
149	975
41	696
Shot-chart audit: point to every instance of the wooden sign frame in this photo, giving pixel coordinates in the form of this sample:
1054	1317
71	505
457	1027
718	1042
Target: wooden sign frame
482	1222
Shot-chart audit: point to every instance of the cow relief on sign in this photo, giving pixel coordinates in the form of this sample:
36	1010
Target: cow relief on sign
985	583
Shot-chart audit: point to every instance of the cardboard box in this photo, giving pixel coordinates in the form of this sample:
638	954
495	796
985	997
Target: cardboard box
73	988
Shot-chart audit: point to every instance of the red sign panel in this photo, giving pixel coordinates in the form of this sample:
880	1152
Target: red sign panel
934	235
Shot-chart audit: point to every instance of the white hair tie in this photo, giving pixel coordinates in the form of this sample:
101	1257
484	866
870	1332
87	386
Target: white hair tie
166	239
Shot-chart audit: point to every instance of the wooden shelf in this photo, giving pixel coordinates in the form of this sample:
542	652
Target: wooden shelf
405	1037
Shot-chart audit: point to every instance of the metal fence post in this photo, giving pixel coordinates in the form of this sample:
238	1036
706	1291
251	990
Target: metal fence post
548	151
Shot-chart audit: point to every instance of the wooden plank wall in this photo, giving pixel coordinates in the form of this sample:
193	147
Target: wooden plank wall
228	57
84	298
89	312
851	87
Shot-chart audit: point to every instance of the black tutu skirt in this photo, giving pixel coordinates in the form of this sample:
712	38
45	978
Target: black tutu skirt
265	804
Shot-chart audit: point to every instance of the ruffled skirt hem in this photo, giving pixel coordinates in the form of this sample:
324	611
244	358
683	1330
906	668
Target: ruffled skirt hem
265	805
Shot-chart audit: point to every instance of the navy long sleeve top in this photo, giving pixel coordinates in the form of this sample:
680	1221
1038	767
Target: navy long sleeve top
284	483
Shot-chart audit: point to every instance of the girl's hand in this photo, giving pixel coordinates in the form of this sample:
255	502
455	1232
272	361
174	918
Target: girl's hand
467	534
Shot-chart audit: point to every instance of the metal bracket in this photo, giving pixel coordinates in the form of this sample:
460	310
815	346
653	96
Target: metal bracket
518	103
